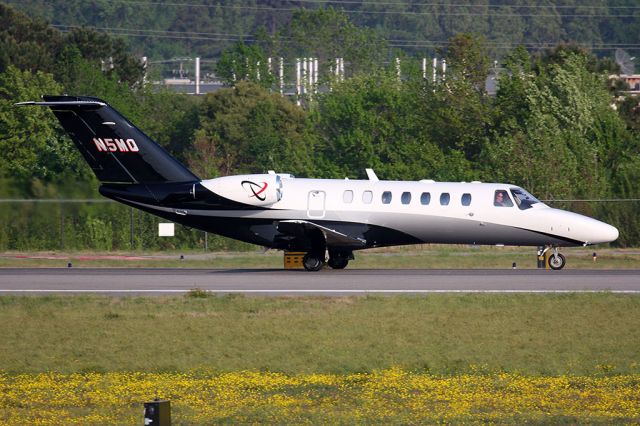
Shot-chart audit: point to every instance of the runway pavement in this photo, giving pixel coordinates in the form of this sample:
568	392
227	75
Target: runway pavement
123	281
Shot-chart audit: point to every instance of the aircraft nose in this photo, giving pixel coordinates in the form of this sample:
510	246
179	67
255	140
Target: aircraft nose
605	234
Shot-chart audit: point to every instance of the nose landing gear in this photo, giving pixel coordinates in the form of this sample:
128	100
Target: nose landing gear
556	260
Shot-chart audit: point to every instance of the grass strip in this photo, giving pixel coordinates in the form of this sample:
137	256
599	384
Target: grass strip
411	257
533	334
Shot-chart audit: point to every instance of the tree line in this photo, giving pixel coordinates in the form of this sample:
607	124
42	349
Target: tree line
556	126
163	29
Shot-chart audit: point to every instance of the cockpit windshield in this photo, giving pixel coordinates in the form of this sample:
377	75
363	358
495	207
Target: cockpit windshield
523	199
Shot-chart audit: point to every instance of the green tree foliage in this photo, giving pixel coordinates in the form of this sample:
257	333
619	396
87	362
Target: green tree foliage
27	135
630	111
208	28
171	119
26	43
327	34
551	128
559	121
370	121
456	110
468	59
558	54
112	54
31	44
250	130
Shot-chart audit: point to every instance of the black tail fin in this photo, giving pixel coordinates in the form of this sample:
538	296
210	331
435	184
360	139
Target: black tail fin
115	149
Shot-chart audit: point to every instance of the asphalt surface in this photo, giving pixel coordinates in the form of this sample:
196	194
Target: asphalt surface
121	281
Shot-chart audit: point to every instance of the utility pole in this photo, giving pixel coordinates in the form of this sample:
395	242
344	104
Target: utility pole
197	75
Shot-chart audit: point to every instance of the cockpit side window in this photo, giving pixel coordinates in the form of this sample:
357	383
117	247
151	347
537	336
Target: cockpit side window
523	199
501	199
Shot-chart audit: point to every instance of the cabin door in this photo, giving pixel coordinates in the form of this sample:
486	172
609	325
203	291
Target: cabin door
315	204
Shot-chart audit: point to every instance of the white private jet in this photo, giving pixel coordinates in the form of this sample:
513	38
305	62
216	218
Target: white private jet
316	216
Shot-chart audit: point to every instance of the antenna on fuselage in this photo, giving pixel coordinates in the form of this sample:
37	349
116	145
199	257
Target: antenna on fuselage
371	174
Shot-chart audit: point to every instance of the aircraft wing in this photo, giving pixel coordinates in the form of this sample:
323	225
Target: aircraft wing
333	238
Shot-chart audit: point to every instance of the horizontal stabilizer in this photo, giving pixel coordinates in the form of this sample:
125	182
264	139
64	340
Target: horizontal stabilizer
80	104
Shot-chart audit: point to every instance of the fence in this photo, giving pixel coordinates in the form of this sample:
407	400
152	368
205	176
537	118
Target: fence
104	225
94	224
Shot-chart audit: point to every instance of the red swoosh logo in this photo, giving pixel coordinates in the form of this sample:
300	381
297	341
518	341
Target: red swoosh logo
256	189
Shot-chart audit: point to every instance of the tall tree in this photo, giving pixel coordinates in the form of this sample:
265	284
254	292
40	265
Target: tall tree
26	43
250	131
456	109
30	144
558	120
373	121
327	34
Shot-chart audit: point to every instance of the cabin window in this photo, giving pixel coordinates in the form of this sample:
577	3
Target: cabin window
386	197
501	199
445	198
347	197
367	197
425	198
466	199
405	198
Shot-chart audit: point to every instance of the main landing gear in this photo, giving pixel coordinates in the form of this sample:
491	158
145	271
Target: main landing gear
555	260
339	259
314	261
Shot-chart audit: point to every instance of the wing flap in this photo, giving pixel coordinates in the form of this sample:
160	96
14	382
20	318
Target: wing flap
333	238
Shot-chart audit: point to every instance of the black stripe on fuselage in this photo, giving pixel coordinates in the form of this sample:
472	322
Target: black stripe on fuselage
166	199
557	237
181	195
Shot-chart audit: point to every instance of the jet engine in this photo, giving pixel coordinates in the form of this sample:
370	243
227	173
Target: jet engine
257	190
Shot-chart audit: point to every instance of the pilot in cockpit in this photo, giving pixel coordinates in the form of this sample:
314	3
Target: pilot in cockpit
502	199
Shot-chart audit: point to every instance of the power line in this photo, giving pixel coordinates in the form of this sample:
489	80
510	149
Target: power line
384	12
495	6
192	35
596	200
441	4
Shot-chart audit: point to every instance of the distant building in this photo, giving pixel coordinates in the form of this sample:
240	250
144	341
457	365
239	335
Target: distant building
184	85
633	80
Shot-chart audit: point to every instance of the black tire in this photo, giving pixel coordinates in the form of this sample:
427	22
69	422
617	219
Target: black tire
338	262
557	261
312	263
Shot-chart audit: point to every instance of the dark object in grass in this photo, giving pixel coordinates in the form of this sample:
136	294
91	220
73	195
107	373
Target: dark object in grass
198	293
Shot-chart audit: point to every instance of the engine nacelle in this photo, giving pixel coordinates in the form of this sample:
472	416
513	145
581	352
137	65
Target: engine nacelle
256	190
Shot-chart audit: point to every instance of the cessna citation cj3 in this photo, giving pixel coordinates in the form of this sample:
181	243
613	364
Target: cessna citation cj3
316	216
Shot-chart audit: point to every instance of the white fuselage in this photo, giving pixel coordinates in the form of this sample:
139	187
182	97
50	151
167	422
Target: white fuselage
470	216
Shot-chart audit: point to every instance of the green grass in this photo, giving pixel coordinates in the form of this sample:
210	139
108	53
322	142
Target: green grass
442	334
427	256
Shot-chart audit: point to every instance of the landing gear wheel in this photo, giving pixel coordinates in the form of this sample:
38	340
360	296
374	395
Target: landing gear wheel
338	262
557	261
312	262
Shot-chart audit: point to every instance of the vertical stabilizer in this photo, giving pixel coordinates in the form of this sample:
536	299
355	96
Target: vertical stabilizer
115	149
